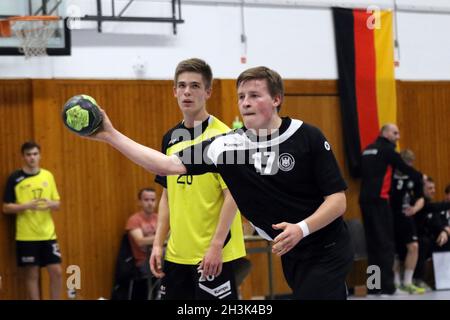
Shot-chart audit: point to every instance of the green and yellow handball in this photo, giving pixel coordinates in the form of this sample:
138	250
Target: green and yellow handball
81	115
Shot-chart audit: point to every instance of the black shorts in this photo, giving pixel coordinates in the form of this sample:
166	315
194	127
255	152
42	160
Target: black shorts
321	275
405	233
37	253
185	282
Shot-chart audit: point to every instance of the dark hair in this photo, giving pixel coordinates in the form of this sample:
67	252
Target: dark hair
429	179
447	189
28	145
273	80
195	65
144	190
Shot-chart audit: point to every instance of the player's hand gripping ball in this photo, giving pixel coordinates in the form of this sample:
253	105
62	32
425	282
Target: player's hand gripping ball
81	115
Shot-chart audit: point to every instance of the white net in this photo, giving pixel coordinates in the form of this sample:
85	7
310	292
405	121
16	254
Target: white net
34	35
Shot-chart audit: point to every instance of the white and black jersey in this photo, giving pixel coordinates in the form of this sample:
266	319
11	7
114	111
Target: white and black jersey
273	179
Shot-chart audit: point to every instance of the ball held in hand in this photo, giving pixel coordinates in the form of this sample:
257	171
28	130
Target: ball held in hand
81	115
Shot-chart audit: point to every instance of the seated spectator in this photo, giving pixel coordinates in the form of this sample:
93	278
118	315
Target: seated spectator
433	229
141	228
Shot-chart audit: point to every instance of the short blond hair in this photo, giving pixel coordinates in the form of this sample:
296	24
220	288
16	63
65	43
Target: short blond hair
407	155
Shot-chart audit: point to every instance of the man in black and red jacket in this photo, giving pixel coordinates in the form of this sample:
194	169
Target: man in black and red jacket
379	159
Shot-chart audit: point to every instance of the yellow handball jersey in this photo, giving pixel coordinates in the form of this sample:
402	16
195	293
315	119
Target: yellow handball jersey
32	225
195	202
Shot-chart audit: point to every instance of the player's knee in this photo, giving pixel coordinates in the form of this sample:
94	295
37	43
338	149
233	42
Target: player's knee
413	247
55	271
32	273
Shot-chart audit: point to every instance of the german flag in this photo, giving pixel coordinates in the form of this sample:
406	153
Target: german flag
365	54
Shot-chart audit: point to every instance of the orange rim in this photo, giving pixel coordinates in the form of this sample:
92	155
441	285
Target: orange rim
33	18
5	29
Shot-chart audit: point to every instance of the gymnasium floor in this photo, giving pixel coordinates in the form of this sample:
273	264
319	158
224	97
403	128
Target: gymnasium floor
433	295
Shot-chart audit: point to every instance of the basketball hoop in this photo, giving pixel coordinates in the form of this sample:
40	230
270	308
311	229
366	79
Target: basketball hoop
33	33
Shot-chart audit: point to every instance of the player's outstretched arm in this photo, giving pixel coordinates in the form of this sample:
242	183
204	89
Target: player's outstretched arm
152	160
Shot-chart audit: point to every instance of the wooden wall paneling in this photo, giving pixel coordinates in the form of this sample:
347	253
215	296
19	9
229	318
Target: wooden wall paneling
16	118
310	87
423	115
229	101
213	105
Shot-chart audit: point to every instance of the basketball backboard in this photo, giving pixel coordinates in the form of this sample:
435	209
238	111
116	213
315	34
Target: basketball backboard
58	44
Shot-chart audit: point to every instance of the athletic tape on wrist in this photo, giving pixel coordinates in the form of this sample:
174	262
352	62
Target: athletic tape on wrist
304	227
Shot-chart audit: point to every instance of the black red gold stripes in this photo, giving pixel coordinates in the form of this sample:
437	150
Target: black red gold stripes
365	55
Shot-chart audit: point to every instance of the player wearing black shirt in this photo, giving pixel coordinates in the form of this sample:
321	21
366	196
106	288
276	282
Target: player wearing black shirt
286	185
406	200
284	178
